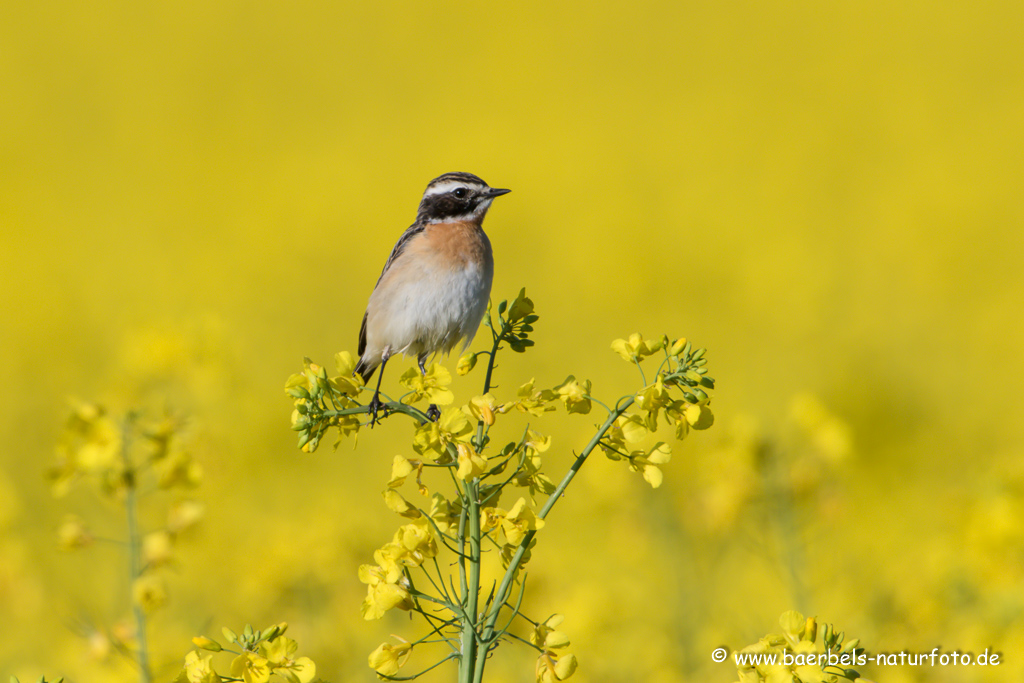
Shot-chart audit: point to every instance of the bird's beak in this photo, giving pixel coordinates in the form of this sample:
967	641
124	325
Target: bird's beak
494	192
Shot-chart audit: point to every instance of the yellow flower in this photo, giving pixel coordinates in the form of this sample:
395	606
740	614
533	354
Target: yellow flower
102	451
199	668
387	659
699	416
793	624
508	551
97	436
297	386
73	534
157	548
179	470
482	408
529	474
551	668
652	399
432	438
401	468
490	518
445	516
149	593
347	425
626	429
418	541
280	656
575	395
636	348
471	463
381	594
533	401
394	500
184	515
675	414
537	442
520	520
431	386
347	382
647	463
251	668
389	559
309	384
521	307
90	444
466	364
546	637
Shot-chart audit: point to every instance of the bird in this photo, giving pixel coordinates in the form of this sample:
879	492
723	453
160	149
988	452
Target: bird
436	284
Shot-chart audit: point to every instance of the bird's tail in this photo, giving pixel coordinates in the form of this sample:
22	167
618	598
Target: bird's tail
365	369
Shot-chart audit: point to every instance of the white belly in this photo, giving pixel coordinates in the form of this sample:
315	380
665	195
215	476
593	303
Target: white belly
430	309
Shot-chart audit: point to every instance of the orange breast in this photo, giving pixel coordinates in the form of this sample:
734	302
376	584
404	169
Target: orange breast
459	243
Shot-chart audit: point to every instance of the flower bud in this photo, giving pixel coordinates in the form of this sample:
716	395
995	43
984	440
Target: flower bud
205	643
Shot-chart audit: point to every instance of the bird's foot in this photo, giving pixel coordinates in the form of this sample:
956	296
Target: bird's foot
433	413
377	406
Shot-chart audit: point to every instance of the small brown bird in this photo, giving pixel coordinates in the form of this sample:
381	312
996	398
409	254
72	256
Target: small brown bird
434	288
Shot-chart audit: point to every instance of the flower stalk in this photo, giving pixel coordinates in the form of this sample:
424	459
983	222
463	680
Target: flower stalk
460	441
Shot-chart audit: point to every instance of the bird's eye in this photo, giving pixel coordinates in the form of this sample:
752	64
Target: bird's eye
460	192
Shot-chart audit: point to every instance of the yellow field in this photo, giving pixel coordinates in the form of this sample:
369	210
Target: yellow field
194	196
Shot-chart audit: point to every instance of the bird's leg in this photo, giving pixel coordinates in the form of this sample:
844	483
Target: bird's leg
432	411
375	404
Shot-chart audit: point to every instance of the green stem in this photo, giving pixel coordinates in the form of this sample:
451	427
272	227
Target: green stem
393	406
468	642
498	336
472	663
470	655
135	552
505	588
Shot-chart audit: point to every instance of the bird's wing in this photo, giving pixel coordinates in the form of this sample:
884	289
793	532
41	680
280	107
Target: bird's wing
403	241
362	337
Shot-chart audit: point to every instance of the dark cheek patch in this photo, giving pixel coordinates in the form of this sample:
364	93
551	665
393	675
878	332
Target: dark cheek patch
440	207
447	205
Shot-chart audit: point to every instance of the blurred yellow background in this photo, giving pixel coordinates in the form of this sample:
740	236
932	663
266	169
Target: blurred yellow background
195	195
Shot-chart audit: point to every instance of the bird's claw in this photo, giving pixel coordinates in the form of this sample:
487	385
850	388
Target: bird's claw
433	413
376	406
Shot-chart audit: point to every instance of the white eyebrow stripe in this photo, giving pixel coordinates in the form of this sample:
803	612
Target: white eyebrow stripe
446	186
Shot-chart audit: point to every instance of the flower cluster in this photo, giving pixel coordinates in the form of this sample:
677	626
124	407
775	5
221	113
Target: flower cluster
677	393
552	665
461	442
514	525
125	456
262	656
322	402
95	445
800	636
